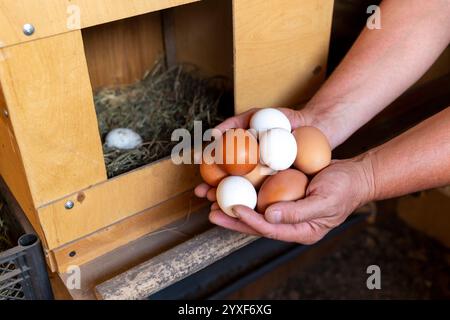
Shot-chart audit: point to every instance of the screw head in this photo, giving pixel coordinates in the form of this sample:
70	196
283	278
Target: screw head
69	205
28	29
5	112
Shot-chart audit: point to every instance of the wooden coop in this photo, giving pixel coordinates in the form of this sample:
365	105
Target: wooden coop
273	51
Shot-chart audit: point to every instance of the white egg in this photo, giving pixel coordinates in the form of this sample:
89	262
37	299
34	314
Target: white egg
123	138
233	191
277	148
269	118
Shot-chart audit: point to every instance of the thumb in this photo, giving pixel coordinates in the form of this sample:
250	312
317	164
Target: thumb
293	212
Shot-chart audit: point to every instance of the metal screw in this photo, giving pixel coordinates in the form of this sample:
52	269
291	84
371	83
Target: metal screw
5	112
28	29
69	205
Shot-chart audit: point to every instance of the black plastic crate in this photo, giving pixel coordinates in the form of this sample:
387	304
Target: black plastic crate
23	271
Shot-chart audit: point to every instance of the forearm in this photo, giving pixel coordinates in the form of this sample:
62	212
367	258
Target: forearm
418	159
381	65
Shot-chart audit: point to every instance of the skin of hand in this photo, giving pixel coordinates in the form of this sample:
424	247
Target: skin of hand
417	159
331	197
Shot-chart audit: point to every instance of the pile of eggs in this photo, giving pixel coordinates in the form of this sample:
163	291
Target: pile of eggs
274	160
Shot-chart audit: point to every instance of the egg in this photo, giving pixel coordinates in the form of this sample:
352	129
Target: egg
237	152
259	174
287	185
123	138
212	174
235	190
269	118
314	150
278	148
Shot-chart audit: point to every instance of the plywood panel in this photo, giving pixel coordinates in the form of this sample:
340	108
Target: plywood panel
133	253
12	171
51	17
173	265
281	49
106	203
127	230
49	96
428	213
203	35
120	52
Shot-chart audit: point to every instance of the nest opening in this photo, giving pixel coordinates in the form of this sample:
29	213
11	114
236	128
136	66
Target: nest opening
167	98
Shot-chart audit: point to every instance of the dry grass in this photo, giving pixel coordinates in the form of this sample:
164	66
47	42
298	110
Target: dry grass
5	242
164	100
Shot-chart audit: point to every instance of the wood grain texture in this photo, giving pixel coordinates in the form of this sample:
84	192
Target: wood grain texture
50	104
280	50
50	17
108	202
136	252
173	265
203	35
12	170
428	213
120	52
127	230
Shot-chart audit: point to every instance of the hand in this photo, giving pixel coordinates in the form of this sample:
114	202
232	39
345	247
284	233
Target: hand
296	117
331	197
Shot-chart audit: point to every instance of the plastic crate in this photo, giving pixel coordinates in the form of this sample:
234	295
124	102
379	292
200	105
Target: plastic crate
23	270
23	273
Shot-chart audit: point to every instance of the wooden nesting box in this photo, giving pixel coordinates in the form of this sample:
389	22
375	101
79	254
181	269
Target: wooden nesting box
51	153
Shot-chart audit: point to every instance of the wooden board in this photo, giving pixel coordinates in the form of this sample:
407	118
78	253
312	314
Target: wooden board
126	230
428	213
11	168
120	52
108	202
281	50
51	17
49	96
136	252
203	35
173	265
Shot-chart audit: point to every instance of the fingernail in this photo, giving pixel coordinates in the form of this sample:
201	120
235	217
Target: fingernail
275	216
235	212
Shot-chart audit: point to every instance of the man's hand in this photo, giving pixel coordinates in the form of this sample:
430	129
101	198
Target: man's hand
330	198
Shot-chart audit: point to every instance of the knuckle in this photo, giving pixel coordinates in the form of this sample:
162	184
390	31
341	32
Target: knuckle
290	215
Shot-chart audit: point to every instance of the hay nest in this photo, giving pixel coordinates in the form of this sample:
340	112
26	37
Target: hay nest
164	100
5	240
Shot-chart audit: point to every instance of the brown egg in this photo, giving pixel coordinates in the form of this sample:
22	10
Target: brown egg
313	150
237	152
286	185
212	174
259	174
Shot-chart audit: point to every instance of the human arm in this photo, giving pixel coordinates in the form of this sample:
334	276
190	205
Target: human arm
380	66
416	160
